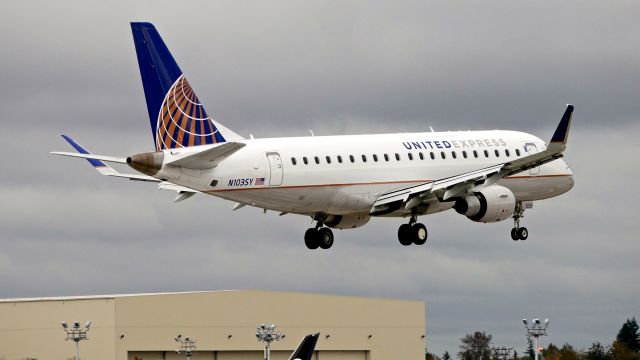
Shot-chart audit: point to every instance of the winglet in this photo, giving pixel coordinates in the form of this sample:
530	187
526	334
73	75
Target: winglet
306	348
562	132
95	163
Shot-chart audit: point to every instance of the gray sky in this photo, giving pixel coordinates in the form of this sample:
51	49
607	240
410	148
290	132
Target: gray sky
280	68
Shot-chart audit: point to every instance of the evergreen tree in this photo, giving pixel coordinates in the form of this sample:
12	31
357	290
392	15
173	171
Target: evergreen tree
476	346
446	356
530	351
629	336
515	355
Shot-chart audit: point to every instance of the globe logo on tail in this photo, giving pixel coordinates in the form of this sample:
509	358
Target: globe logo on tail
182	120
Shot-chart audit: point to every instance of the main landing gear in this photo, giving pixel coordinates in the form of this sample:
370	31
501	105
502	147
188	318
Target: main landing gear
413	232
319	236
518	233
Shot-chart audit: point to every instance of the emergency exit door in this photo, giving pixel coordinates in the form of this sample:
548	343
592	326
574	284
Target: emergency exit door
275	168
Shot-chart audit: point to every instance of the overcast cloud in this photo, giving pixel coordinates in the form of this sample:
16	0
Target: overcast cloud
280	68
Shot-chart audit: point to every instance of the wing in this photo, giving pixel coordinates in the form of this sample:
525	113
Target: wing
454	186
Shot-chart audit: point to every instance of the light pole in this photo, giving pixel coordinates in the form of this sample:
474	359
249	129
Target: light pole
536	329
268	333
502	352
76	333
187	346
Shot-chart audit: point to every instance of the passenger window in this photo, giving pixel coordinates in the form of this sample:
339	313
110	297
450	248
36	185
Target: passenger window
444	156
293	160
305	161
464	154
375	157
328	159
316	159
475	154
352	158
497	153
486	153
453	153
386	157
364	158
410	155
340	159
518	152
421	155
397	156
433	156
506	152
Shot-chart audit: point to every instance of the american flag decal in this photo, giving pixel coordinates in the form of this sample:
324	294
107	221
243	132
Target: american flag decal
259	181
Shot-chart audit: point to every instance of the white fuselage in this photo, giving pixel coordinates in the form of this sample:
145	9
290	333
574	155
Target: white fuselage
345	174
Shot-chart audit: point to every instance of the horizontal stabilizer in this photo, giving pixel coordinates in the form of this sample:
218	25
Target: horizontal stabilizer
97	162
98	158
208	158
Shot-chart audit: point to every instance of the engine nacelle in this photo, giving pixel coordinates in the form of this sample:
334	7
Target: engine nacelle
491	204
346	221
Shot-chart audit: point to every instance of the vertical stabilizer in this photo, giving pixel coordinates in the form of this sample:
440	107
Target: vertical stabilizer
177	117
306	348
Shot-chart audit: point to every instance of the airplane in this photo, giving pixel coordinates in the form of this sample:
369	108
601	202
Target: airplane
306	348
341	182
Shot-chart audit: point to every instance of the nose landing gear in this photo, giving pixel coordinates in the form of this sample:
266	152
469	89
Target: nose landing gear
413	232
518	233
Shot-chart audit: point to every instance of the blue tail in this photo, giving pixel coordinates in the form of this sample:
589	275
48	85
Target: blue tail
176	115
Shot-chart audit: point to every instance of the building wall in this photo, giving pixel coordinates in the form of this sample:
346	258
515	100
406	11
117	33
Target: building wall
222	322
32	330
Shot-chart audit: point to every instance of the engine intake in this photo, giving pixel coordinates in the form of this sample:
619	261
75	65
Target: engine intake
491	204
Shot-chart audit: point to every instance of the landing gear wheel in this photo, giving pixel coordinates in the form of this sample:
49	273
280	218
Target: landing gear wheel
312	238
419	233
523	233
404	234
325	238
514	234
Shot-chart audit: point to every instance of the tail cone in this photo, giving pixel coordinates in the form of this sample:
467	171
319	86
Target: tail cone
147	163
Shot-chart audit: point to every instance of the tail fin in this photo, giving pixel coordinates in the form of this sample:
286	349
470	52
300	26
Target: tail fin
306	348
177	117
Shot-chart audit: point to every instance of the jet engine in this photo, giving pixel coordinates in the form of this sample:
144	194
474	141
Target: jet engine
346	221
491	204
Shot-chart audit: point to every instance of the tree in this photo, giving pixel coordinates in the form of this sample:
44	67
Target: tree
551	352
597	352
476	346
446	356
629	336
620	351
567	352
530	351
430	356
515	355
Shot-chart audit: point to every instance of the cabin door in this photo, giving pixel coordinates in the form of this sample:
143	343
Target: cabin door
275	166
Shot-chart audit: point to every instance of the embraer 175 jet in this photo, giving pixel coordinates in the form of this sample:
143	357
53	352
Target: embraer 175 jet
339	181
